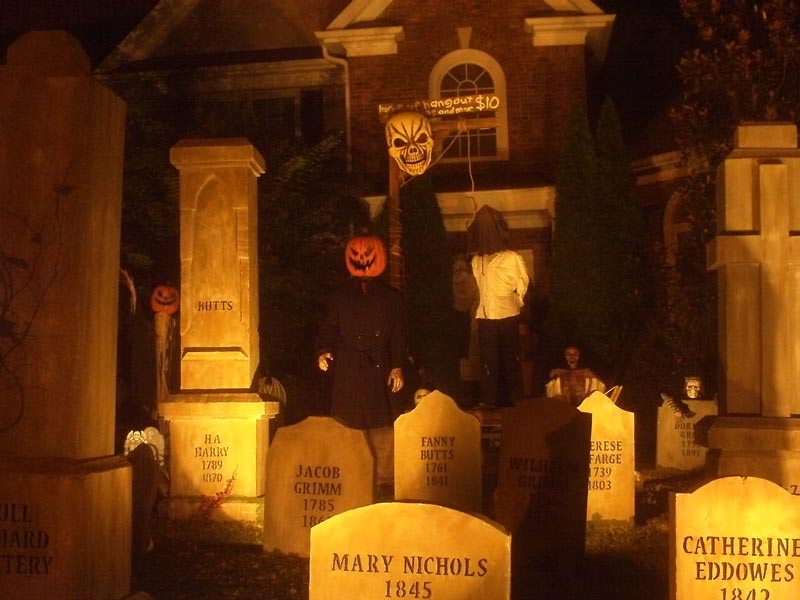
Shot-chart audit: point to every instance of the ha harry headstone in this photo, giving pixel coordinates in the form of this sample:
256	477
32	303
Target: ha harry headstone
65	510
218	427
316	469
612	492
735	538
437	454
408	550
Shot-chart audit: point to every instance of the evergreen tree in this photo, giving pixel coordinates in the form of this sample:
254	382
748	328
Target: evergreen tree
430	316
597	242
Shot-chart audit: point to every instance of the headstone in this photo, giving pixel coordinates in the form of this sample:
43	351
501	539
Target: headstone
437	455
735	538
757	258
612	490
65	511
218	427
316	469
676	447
408	550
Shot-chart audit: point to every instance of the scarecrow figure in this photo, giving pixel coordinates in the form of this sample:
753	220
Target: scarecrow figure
361	341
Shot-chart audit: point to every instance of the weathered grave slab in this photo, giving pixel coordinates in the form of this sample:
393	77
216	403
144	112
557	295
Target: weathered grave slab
217	441
542	476
735	538
676	446
407	550
316	469
437	454
612	490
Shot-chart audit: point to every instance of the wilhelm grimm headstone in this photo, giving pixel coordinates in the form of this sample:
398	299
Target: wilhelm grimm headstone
408	550
735	538
316	469
437	455
612	492
65	499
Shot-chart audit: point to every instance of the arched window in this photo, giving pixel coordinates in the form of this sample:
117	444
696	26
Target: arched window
469	72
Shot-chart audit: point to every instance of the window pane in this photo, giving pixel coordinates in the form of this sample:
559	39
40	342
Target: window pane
469	79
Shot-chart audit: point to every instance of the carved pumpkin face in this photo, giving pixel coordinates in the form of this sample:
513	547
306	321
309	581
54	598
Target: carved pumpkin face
365	256
165	299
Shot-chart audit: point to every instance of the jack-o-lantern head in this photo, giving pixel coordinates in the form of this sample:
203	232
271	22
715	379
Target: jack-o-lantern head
365	256
165	299
410	141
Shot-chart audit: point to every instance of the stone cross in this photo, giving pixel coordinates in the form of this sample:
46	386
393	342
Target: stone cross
757	257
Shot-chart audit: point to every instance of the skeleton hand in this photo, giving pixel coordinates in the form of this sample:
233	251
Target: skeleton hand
395	381
323	360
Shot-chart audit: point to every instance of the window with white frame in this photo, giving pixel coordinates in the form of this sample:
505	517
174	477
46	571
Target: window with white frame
469	72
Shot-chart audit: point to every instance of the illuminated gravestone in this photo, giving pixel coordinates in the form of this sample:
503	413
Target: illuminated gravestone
541	493
757	258
676	446
65	504
735	538
218	427
437	455
408	550
612	490
316	469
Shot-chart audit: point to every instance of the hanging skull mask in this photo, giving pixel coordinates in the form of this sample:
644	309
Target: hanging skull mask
410	141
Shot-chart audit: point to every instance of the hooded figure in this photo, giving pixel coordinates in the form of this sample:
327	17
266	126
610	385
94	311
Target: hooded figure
502	282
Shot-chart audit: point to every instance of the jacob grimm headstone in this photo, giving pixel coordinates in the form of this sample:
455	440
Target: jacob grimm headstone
409	550
218	424
735	538
316	469
612	493
437	454
65	500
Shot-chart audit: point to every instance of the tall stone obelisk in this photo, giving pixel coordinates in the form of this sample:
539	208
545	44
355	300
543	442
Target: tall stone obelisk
757	257
218	426
65	499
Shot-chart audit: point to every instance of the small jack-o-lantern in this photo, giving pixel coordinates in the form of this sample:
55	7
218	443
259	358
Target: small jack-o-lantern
365	256
410	141
165	299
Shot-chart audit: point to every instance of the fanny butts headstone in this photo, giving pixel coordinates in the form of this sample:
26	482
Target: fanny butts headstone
218	425
437	455
65	506
735	538
316	469
612	489
409	550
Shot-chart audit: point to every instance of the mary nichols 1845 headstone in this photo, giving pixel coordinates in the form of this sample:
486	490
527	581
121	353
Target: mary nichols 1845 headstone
437	454
409	550
735	538
316	469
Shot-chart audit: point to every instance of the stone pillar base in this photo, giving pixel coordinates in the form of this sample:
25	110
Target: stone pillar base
767	447
217	449
65	527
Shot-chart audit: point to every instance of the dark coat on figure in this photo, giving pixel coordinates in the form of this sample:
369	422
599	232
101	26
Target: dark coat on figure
364	331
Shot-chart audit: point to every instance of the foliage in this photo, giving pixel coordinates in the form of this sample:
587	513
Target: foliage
430	316
745	67
597	274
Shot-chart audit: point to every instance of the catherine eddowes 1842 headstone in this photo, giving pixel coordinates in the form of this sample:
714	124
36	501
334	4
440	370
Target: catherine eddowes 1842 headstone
612	492
65	499
437	455
735	538
316	469
408	550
